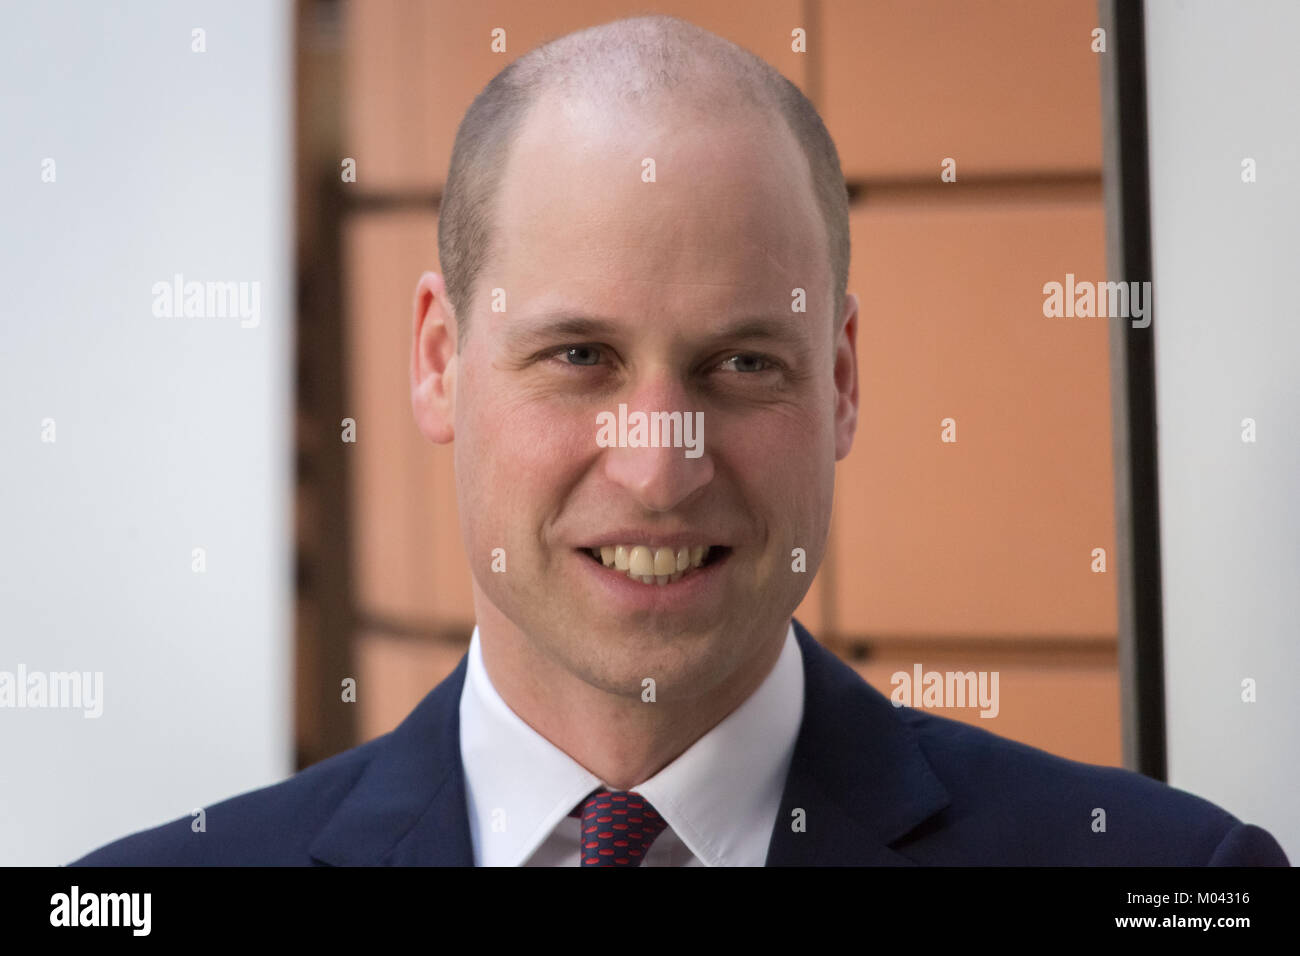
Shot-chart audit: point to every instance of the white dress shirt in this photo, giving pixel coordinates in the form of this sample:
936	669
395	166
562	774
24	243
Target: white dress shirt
719	798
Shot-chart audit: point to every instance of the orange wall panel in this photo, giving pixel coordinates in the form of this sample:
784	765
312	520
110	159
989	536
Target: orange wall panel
1002	86
413	68
1071	710
394	674
991	535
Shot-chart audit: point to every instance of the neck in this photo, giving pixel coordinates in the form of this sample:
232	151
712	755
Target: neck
618	738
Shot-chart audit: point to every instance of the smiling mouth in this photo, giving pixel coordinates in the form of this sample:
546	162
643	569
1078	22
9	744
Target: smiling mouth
656	566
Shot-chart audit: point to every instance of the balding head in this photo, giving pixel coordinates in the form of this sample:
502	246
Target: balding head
702	293
639	65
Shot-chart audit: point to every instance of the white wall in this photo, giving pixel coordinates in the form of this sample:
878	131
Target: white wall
172	433
1223	85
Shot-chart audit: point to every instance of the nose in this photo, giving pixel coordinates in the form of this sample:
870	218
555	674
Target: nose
660	478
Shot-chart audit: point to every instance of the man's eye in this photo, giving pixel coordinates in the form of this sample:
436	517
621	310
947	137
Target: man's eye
580	354
748	363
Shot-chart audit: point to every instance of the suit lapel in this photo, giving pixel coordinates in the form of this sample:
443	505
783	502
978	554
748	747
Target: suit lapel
858	773
408	806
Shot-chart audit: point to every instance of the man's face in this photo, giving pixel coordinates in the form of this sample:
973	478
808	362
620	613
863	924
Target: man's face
665	274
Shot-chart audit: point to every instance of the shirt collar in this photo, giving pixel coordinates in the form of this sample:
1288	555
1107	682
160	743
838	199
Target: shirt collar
720	796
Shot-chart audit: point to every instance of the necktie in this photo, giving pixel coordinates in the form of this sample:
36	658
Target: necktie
617	828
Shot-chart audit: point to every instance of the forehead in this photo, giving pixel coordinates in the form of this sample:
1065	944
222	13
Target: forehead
729	221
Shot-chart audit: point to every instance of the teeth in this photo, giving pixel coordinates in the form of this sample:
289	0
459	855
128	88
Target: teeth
655	566
642	562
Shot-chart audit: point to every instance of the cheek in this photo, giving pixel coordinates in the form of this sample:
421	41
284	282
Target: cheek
544	442
519	454
775	449
785	468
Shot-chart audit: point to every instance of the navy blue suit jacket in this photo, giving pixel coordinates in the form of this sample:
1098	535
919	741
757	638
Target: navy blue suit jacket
878	785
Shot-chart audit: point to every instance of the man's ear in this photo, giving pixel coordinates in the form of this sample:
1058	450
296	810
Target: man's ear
433	360
846	378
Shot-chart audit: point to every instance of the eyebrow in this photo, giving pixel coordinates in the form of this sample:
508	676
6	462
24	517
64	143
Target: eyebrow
549	327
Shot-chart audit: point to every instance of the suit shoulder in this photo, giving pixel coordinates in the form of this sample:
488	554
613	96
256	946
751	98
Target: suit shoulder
1041	808
272	825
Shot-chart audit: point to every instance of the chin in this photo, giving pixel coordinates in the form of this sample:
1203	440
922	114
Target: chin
680	664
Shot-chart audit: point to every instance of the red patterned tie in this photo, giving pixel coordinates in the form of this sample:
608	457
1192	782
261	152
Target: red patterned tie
618	827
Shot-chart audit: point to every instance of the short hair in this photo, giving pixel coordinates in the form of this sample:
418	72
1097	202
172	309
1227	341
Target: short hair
624	61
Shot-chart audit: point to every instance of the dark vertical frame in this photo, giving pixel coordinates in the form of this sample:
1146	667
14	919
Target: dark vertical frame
324	581
1126	188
